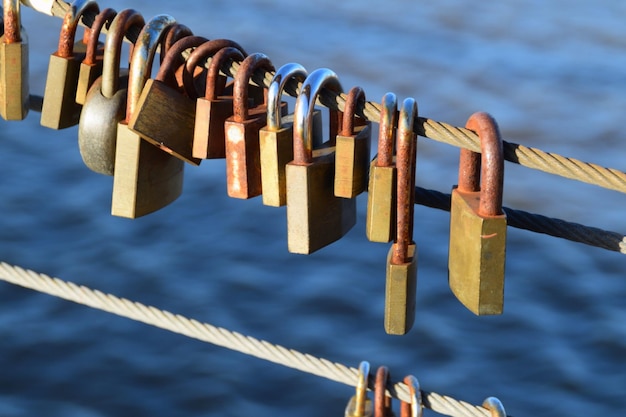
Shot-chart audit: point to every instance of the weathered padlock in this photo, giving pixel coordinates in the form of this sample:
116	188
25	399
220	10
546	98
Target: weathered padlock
382	402
414	408
91	67
353	149
315	217
146	179
477	223
13	64
360	404
495	407
401	281
165	116
59	109
243	156
105	104
381	194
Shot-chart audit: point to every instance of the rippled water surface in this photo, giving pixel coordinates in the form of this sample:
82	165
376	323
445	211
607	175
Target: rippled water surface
551	73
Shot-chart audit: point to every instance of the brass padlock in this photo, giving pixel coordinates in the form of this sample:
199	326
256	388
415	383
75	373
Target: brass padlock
59	109
13	64
91	67
105	104
353	149
382	402
315	217
165	116
146	179
414	408
478	224
360	404
381	193
209	141
401	281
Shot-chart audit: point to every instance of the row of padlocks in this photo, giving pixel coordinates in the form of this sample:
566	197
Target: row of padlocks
143	131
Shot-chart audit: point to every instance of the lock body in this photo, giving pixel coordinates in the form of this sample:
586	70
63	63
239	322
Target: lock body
400	290
353	162
14	88
381	203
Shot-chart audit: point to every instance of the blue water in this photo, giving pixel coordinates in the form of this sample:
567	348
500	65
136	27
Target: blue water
551	73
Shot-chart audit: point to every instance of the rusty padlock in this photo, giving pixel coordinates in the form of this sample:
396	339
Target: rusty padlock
105	104
401	283
414	408
353	149
381	195
14	92
146	179
91	67
382	402
59	109
173	35
315	217
360	405
165	116
477	223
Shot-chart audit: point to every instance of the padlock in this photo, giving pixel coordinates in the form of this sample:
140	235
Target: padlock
59	109
146	179
477	223
382	402
495	407
209	140
105	104
360	404
243	156
91	67
381	194
13	64
401	283
173	35
414	408
165	116
315	217
353	149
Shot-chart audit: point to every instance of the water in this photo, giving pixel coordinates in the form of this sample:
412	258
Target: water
551	73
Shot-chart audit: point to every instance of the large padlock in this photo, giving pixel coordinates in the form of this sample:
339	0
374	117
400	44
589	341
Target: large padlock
165	115
315	217
415	406
381	194
353	149
91	67
59	109
477	223
360	405
401	283
243	156
105	104
146	179
13	64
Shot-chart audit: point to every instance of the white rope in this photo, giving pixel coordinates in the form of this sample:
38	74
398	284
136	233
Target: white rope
223	337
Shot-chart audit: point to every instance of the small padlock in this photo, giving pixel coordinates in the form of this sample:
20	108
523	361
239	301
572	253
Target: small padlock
315	217
91	67
146	179
353	149
381	194
401	281
105	104
13	64
59	109
478	224
382	402
360	404
414	408
165	116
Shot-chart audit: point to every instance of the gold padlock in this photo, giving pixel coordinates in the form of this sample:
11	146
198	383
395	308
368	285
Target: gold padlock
381	193
414	407
477	223
382	402
315	217
401	283
353	148
91	67
146	179
13	64
59	109
360	404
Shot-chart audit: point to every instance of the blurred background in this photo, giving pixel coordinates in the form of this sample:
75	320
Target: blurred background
551	73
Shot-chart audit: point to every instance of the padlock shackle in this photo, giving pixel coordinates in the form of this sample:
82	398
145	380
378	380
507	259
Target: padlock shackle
252	63
388	117
199	56
173	35
218	60
361	389
495	407
382	403
484	172
303	113
355	96
104	17
172	60
113	49
70	24
11	21
275	91
143	56
415	408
